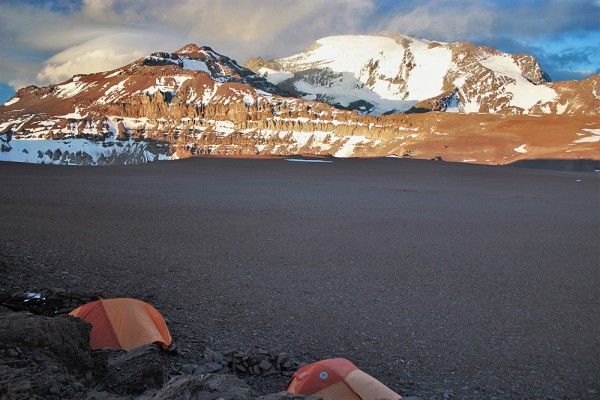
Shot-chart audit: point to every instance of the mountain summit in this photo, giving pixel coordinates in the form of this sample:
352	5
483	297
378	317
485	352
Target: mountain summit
390	73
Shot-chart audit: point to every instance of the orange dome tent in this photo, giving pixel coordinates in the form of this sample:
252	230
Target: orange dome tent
338	379
123	324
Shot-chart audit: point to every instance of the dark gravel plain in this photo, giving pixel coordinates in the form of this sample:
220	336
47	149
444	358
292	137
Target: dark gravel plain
442	280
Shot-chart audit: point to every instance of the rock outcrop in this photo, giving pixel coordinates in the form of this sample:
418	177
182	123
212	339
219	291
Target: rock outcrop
50	358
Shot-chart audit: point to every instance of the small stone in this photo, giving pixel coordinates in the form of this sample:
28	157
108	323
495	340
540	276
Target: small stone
256	359
218	356
209	355
214	366
272	371
288	365
265	365
288	373
188	369
256	369
282	357
241	368
201	370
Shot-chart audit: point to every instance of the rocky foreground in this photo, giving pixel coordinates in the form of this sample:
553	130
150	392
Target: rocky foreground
438	279
49	357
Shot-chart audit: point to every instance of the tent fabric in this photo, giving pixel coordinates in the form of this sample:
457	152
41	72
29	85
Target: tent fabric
338	379
123	324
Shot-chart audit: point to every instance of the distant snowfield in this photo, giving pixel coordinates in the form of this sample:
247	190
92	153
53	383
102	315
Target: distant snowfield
427	78
394	74
358	59
40	151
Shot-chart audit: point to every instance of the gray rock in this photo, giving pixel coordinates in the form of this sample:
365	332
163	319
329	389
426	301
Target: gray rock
213	356
288	365
265	365
214	366
201	370
282	357
207	387
136	371
188	369
66	337
272	371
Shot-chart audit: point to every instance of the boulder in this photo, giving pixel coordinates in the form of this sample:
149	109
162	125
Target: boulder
206	387
43	357
67	338
136	371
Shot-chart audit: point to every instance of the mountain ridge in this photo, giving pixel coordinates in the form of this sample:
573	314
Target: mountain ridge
390	73
195	101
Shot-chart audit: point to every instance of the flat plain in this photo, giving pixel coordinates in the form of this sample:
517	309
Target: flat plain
439	279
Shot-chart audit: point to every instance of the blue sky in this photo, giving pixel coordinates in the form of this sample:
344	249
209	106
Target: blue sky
44	41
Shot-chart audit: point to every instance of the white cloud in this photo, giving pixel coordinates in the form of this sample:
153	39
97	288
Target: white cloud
105	34
41	44
102	54
434	20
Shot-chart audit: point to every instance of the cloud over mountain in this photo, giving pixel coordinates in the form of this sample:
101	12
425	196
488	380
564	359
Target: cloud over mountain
48	41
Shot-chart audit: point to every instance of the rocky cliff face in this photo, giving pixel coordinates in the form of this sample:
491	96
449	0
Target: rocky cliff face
196	102
394	73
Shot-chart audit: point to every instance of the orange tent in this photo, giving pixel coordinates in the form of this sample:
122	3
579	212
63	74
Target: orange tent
123	324
338	379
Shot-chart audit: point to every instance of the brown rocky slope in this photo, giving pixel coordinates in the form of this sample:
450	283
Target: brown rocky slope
197	102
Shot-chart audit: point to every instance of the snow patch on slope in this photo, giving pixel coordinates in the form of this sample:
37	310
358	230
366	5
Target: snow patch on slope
195	65
113	92
427	78
525	93
595	137
348	148
12	101
51	151
72	88
521	149
273	76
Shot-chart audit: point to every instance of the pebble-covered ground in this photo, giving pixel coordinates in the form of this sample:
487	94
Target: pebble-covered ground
441	280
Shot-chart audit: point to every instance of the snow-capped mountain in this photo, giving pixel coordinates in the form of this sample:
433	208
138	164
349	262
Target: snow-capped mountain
390	73
196	102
